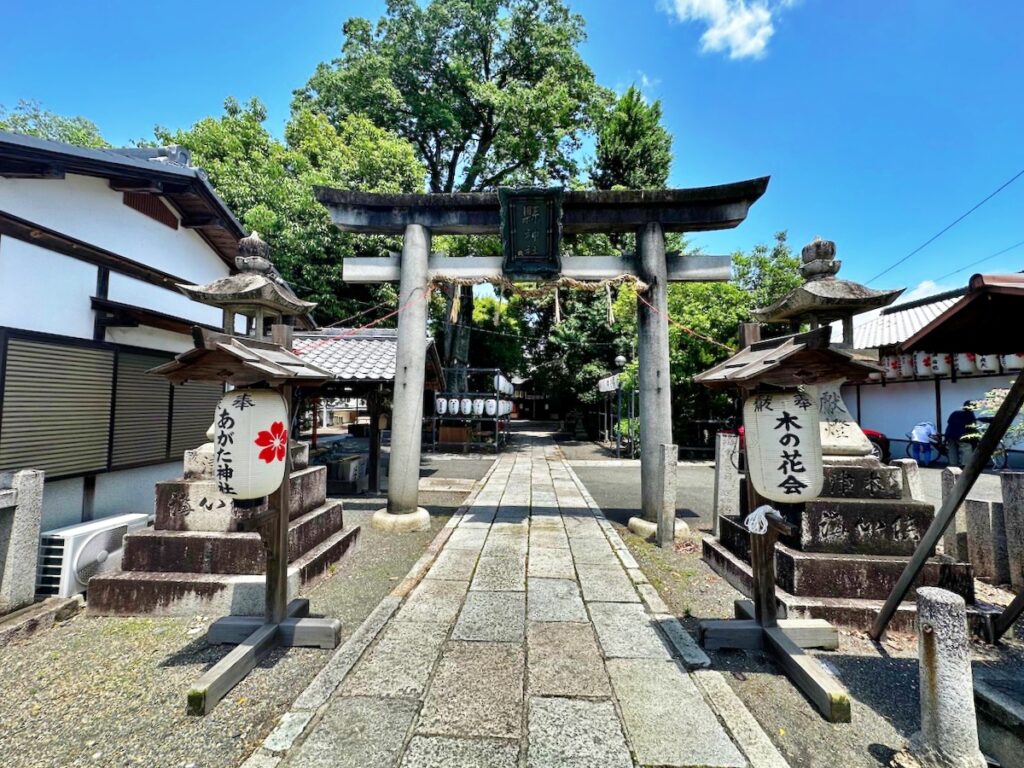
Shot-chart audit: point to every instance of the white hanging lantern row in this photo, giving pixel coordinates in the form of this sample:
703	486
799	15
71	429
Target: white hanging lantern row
892	366
250	443
923	363
478	406
783	438
987	363
942	363
453	406
907	366
1012	362
965	362
491	406
466	406
441	406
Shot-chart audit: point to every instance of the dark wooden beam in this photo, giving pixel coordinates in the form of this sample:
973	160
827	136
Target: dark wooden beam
203	222
30	232
137	185
19	169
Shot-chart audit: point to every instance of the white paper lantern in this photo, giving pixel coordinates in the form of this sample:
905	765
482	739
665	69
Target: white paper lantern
466	406
478	406
1013	362
783	438
965	362
491	406
892	366
987	363
923	363
942	363
907	366
441	406
250	443
453	406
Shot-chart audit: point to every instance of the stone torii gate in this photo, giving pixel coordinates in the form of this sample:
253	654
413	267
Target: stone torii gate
532	222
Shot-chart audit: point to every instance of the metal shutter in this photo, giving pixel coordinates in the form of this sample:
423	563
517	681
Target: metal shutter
194	404
141	411
56	407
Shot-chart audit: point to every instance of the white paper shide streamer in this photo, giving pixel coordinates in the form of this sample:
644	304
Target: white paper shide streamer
250	443
783	439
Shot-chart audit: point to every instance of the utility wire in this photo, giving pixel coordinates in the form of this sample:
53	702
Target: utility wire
948	227
979	261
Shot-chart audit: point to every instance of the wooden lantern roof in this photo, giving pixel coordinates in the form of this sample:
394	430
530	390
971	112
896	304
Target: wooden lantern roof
985	320
788	361
241	362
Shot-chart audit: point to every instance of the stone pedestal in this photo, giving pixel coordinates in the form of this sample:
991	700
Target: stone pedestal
1013	514
949	729
727	478
203	554
954	540
21	509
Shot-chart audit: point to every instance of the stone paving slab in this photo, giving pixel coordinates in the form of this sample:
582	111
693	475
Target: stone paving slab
468	536
591	549
548	537
492	616
447	752
551	564
573	733
400	663
500	574
506	546
625	631
606	583
356	733
651	695
564	660
477	690
554	600
434	600
454	564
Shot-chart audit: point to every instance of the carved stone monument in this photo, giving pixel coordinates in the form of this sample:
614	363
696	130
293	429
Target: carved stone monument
853	541
200	556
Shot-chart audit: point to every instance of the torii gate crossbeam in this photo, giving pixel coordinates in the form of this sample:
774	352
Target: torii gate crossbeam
648	214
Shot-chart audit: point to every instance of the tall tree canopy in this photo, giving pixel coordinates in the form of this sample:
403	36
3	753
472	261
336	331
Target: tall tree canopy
633	149
269	186
30	118
488	91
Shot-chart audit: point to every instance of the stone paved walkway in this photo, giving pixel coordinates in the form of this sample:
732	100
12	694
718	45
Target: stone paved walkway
532	640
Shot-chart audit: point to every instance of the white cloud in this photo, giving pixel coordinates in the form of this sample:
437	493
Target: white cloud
924	289
741	27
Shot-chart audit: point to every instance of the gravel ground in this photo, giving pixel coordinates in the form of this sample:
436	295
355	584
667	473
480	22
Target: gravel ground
111	691
882	679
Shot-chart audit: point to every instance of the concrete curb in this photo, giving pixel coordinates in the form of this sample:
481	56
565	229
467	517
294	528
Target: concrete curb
310	703
37	617
736	718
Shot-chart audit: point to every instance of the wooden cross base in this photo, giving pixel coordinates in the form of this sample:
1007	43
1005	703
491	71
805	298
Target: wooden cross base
254	638
758	628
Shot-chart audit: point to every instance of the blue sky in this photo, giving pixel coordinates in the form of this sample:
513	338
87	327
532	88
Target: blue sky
880	122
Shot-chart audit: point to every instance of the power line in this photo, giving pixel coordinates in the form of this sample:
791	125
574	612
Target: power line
979	261
949	226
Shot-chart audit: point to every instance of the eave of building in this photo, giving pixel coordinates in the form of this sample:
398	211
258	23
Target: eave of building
185	188
118	314
677	210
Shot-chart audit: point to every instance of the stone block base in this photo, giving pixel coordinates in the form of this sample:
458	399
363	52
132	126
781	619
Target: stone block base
132	593
401	523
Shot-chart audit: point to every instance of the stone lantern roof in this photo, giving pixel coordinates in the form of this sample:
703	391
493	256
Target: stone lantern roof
257	288
824	297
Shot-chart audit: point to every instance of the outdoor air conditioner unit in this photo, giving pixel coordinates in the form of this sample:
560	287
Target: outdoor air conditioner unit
70	556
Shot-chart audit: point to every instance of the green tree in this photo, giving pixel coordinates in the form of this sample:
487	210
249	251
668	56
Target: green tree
767	273
270	187
489	92
30	118
633	150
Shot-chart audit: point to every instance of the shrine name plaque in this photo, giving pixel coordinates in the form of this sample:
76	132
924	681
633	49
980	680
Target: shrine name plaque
531	231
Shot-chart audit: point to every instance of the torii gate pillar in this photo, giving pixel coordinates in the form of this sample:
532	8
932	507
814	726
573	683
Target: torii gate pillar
403	512
655	384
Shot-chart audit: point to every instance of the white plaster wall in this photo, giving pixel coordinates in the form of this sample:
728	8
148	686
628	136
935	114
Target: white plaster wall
128	290
62	503
45	291
88	209
151	338
131	490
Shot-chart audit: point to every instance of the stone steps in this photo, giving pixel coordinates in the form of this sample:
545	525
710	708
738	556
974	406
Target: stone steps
226	553
186	594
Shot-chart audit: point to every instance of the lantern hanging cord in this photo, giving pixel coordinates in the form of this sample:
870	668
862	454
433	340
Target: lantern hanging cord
757	521
685	329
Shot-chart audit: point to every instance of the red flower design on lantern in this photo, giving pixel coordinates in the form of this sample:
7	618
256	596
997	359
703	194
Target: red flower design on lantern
273	442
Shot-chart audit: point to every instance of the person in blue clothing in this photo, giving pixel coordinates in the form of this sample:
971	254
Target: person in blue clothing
922	442
959	424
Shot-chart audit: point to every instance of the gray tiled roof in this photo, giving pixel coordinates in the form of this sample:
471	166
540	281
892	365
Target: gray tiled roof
352	355
898	323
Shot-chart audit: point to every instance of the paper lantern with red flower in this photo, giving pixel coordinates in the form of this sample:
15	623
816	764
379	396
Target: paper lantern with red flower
250	443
